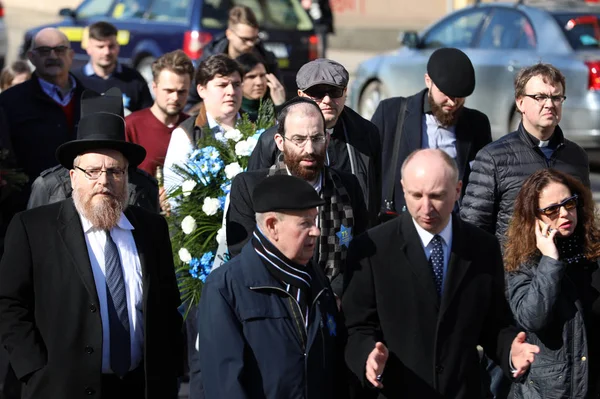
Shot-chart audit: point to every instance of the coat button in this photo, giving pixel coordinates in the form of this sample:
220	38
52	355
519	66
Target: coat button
583	359
92	308
439	368
89	391
89	350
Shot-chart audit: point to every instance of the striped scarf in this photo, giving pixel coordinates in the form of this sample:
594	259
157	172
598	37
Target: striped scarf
336	212
295	278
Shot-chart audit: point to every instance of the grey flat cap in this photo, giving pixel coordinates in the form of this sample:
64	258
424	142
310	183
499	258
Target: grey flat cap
322	72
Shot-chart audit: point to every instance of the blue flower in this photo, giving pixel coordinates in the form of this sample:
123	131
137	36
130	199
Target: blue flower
222	202
226	187
216	166
195	268
206	261
211	153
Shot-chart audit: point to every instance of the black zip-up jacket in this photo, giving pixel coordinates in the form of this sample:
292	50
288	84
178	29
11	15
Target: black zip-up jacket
500	169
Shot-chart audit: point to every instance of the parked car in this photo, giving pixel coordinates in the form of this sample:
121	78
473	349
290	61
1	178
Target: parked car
3	38
500	39
150	28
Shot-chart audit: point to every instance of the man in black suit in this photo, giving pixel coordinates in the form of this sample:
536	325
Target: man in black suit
433	118
414	323
303	140
354	145
88	295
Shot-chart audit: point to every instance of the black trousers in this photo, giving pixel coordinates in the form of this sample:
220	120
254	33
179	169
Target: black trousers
131	386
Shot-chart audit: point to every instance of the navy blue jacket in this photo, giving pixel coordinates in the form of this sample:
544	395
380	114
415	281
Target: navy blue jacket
250	342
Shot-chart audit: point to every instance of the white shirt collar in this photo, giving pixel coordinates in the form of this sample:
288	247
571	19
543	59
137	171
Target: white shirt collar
426	236
317	184
123	223
544	143
212	122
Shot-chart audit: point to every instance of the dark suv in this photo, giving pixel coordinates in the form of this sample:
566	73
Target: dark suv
150	28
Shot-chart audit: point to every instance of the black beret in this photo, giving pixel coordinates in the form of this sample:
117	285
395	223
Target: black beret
284	192
452	72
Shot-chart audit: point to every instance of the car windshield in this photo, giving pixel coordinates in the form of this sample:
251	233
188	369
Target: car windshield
582	30
276	15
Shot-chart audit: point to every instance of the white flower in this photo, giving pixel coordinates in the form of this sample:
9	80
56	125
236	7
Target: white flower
242	149
252	142
219	136
234	135
232	170
221	236
187	187
188	224
185	255
210	206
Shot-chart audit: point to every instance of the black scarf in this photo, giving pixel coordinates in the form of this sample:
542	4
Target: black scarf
296	278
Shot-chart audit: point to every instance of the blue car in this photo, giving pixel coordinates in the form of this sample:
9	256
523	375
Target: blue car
150	28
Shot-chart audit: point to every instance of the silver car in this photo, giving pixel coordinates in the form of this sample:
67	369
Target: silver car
500	39
3	38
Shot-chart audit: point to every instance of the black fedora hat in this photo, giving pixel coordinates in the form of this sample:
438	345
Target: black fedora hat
100	128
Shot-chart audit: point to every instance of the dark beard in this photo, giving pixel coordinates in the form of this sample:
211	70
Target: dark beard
103	215
445	119
292	161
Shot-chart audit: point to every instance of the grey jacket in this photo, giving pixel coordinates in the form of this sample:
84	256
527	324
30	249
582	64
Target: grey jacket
546	304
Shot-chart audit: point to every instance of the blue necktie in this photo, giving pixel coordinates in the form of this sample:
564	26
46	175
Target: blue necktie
436	260
120	342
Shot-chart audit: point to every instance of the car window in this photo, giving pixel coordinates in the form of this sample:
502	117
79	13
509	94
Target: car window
169	10
280	15
94	8
457	31
582	30
507	29
130	9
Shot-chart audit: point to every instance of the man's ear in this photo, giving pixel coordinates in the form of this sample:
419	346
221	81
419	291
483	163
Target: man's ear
279	141
271	224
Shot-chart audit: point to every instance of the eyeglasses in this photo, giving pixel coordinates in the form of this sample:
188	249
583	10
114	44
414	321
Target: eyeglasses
250	40
45	50
542	98
94	174
553	210
301	141
321	92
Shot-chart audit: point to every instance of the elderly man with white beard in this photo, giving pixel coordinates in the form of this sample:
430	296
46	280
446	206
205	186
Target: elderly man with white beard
88	295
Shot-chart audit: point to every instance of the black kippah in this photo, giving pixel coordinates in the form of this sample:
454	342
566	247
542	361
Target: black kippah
284	192
452	72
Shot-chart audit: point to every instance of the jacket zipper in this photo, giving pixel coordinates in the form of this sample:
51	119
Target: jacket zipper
304	343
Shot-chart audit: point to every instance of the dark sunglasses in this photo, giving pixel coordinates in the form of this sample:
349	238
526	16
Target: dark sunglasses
321	92
553	210
45	50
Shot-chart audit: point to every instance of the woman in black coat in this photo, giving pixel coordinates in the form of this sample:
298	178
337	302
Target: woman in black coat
553	285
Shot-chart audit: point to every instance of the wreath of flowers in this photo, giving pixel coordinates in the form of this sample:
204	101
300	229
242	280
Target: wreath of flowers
197	225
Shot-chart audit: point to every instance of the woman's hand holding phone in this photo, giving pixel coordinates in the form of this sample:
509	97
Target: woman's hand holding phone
544	236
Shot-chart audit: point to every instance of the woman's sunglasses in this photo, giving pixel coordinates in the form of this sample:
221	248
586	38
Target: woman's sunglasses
553	210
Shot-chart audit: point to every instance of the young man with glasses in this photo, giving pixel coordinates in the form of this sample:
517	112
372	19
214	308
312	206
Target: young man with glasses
501	167
302	138
241	37
436	117
354	145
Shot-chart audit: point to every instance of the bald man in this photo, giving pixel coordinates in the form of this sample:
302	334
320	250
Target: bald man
40	114
423	290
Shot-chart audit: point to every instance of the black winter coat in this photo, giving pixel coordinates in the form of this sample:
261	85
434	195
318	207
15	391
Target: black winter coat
250	345
548	304
500	169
